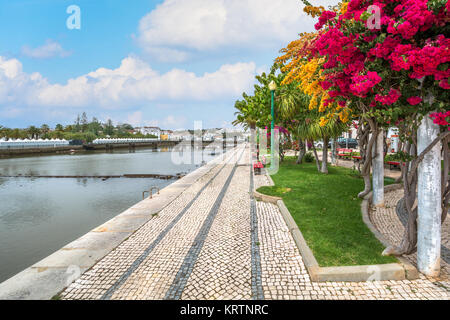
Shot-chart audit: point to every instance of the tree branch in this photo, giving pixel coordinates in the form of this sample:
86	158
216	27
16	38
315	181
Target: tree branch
420	157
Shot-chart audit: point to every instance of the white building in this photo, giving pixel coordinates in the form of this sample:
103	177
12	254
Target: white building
156	131
182	135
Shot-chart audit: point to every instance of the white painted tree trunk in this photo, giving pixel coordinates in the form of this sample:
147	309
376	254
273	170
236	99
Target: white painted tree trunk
429	200
378	170
333	152
324	168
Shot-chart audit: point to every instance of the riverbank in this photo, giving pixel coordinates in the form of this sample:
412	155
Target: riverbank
50	200
7	153
50	275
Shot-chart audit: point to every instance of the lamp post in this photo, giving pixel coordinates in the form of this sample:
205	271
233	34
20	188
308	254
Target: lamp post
272	88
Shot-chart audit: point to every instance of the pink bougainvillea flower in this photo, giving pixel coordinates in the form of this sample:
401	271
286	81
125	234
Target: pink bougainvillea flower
444	84
441	118
326	15
389	99
414	100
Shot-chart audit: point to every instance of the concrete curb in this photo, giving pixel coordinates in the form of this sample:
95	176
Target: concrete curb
51	275
264	197
392	271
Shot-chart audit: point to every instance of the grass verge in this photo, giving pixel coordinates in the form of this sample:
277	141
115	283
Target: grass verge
328	212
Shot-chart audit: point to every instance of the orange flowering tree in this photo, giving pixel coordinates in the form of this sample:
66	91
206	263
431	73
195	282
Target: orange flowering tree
303	67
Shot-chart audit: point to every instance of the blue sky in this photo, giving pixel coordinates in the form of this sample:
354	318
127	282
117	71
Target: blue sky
164	63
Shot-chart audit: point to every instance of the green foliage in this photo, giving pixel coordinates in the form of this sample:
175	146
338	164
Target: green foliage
255	110
308	157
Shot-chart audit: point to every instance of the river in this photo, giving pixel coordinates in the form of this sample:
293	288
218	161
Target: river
40	215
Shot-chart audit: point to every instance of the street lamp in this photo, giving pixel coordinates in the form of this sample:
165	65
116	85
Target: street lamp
272	88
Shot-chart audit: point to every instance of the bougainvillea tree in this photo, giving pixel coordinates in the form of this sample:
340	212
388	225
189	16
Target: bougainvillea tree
388	61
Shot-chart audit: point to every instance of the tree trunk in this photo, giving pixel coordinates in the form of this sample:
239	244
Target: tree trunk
367	186
315	156
378	170
407	206
325	155
333	153
445	179
429	200
366	143
301	151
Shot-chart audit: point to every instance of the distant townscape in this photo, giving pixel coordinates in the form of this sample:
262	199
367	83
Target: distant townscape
85	131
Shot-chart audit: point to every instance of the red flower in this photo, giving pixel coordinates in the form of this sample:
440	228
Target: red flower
414	100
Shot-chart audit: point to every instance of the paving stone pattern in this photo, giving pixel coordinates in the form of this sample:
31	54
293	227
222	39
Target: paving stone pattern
391	225
216	242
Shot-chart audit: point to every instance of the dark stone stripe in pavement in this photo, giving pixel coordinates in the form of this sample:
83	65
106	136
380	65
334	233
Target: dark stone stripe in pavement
108	294
179	283
257	290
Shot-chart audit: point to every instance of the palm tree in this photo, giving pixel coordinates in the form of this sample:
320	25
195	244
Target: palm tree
45	129
33	132
246	114
292	103
312	130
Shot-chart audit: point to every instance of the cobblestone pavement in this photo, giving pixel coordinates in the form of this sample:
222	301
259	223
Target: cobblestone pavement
216	242
390	225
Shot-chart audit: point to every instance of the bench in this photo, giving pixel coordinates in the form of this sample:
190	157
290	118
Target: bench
257	166
344	153
395	164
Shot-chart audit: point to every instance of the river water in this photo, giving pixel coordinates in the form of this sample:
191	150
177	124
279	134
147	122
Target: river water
40	215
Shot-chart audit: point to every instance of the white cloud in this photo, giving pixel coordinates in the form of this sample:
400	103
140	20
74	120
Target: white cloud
133	82
48	50
17	87
179	26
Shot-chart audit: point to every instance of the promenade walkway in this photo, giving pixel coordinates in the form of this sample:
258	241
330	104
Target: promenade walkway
214	241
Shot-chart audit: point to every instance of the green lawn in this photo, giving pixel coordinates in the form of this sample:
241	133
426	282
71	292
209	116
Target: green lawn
328	213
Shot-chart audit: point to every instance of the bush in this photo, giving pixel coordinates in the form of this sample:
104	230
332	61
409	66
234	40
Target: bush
309	157
84	136
393	157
